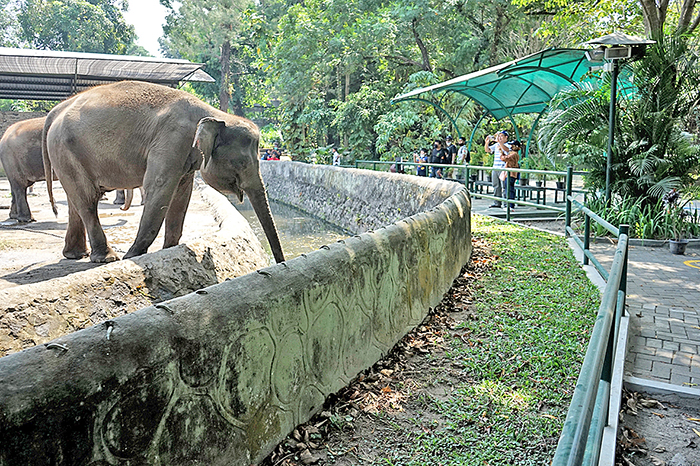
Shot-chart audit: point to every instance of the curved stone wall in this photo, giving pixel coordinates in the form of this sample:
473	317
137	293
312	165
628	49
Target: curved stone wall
356	200
220	376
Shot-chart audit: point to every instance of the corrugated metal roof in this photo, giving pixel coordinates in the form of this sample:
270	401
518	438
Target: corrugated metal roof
48	75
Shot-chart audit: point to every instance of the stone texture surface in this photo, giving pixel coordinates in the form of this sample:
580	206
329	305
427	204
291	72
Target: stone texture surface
221	375
343	197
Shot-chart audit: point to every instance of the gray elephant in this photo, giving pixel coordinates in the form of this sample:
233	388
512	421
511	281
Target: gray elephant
20	154
131	134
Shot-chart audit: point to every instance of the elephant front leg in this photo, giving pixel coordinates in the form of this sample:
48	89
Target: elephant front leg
175	218
159	193
76	242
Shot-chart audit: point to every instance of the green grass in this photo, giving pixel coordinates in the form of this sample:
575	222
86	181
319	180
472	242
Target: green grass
522	355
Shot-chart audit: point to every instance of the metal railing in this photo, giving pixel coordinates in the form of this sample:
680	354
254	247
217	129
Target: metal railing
463	174
593	407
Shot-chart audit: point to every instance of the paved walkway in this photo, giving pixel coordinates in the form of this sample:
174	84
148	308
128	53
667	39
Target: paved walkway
663	300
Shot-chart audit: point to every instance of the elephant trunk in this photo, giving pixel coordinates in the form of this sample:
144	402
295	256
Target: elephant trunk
128	198
258	198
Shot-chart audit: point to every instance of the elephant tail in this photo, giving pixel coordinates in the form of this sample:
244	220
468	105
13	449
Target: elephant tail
48	172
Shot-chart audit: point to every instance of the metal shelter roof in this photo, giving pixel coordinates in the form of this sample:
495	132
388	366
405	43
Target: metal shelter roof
526	85
48	75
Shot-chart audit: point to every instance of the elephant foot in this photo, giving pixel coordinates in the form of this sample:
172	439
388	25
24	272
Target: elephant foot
22	219
106	257
75	254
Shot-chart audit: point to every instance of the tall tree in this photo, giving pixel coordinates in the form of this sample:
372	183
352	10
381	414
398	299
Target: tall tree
210	31
75	25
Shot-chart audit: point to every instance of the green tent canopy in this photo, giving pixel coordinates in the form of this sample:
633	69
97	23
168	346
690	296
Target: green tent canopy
526	85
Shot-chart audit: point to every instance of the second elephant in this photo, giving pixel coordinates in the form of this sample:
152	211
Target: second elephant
20	154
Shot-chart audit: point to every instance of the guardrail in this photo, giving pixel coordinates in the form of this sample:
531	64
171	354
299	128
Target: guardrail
463	174
593	413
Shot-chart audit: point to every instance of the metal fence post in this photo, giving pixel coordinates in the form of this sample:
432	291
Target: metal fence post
569	183
586	238
507	182
624	230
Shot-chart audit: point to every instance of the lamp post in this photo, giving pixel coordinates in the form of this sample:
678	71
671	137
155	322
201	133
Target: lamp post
613	48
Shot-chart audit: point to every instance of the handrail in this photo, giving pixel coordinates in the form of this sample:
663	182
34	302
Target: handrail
588	415
466	169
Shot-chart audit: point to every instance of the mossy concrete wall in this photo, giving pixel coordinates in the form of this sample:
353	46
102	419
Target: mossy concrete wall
220	376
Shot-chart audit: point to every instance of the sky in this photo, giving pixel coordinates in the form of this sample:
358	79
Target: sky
148	17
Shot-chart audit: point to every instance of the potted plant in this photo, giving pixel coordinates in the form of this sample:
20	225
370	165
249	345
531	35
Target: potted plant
676	221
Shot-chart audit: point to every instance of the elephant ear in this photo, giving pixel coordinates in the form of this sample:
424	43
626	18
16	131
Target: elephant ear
207	130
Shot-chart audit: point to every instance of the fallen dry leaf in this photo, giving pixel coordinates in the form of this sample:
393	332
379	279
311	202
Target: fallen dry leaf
696	432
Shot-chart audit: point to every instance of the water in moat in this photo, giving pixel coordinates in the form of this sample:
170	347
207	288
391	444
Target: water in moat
299	232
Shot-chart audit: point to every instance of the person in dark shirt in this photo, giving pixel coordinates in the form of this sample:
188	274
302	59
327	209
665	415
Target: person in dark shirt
439	155
451	156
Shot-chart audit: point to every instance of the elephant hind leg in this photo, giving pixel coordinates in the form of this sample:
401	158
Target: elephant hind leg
83	198
75	246
19	207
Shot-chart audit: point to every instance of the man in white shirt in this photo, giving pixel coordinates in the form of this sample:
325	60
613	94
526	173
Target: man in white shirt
497	145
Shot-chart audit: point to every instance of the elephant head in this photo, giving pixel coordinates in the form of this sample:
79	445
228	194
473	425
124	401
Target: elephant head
231	166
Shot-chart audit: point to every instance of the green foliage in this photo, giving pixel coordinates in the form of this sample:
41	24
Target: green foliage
651	155
647	220
75	25
353	54
269	135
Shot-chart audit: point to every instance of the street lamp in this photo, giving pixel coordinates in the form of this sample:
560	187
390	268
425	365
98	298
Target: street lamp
613	48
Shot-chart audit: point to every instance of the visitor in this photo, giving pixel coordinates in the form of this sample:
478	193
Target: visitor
462	157
438	156
511	160
498	146
336	156
422	158
451	156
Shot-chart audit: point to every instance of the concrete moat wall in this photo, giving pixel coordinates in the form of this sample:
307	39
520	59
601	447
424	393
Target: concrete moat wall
220	376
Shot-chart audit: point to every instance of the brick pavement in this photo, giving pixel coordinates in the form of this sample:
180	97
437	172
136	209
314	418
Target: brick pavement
663	300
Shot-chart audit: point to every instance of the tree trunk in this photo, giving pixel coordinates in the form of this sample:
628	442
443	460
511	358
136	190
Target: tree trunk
224	92
654	17
423	50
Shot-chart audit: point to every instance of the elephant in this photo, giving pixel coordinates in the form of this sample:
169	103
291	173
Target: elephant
20	154
130	134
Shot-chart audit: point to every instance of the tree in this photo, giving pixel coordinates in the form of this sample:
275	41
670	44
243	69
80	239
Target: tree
210	31
334	49
75	25
651	155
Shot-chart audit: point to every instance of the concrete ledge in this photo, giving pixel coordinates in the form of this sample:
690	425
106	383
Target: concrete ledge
664	391
220	376
34	314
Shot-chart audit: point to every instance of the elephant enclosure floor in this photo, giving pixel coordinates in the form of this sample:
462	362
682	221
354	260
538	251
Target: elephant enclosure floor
31	252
